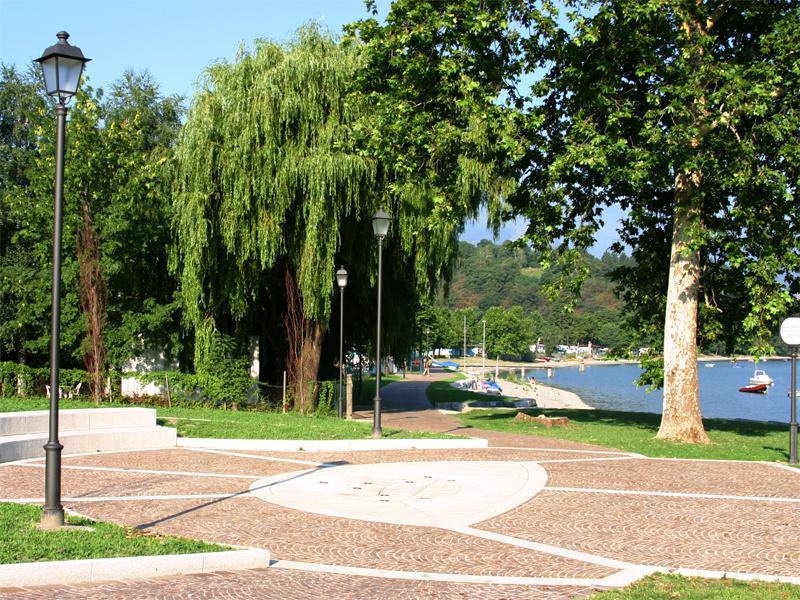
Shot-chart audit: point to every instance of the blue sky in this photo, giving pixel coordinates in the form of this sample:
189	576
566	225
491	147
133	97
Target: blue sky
176	39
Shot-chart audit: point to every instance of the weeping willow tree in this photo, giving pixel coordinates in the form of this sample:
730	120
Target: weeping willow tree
266	173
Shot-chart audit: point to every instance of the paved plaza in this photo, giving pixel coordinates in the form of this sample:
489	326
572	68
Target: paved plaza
528	517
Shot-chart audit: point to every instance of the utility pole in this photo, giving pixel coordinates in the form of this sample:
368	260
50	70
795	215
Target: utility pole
465	342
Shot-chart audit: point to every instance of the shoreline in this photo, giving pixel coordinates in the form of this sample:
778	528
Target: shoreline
545	396
490	368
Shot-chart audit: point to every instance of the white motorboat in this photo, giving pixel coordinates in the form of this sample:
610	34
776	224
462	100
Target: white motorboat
760	376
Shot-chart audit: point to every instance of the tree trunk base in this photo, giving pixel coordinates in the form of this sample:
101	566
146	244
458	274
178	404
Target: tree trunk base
676	430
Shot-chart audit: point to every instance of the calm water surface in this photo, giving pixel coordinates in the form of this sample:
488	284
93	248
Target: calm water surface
611	387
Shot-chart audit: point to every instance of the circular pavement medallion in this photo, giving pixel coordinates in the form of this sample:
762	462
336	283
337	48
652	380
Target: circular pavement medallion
435	494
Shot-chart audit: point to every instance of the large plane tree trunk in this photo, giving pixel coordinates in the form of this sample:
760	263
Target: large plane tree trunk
681	419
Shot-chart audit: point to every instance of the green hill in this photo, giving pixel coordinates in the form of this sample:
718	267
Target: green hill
503	275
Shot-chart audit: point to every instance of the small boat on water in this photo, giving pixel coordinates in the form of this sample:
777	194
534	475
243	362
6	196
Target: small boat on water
760	376
709	364
755	388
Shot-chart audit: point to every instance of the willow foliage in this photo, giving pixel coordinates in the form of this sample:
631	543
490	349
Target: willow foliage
266	174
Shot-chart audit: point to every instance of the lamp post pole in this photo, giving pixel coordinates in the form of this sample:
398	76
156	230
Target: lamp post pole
53	511
790	334
380	226
793	411
62	66
341	279
483	350
376	415
465	342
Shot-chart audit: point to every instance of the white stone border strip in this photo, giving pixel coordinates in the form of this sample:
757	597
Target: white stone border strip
789	468
148	471
134	567
671	494
570	451
567	460
129	498
333	445
261	457
430	576
620	579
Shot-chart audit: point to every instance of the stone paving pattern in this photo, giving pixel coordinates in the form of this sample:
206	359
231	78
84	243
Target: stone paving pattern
740	535
307	537
681	476
279	584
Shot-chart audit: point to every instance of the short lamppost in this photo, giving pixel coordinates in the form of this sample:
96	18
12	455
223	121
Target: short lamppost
790	334
428	348
380	226
62	66
341	280
483	350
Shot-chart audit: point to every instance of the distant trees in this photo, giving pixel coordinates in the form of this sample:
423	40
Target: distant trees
116	225
509	332
504	275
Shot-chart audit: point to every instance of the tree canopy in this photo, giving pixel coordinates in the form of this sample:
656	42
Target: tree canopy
117	148
681	112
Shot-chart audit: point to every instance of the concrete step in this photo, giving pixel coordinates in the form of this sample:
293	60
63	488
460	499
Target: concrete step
19	447
83	419
22	434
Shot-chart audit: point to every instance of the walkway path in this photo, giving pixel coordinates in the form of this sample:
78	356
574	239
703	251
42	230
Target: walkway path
583	518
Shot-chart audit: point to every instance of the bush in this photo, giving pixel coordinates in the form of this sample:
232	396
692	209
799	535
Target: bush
32	381
326	402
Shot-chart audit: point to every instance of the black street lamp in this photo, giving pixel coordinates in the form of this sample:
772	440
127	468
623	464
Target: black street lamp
483	350
790	334
62	66
341	280
380	226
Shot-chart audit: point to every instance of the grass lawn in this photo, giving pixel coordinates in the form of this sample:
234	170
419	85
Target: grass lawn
669	587
21	540
227	424
635	432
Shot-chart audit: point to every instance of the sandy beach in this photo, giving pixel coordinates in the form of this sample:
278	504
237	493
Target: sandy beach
545	396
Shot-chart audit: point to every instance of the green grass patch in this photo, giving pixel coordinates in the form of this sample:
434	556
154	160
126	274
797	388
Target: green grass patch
635	432
21	540
242	424
670	587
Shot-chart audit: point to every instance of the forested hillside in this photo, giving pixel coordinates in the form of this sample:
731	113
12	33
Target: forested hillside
501	275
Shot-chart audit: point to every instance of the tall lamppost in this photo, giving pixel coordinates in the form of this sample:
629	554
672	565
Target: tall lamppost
483	350
380	226
790	334
341	279
62	66
465	342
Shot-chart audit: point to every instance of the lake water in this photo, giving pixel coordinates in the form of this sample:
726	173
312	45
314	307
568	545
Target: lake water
611	387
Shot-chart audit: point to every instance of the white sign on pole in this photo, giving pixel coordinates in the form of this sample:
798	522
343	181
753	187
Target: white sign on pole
790	331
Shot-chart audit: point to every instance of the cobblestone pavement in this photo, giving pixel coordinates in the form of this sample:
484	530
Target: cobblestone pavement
280	584
600	517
